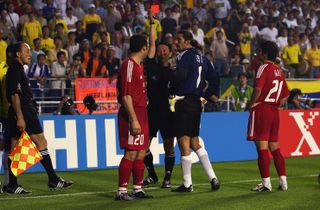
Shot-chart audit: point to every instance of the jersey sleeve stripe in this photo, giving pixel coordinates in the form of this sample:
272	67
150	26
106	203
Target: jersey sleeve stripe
260	70
252	125
129	71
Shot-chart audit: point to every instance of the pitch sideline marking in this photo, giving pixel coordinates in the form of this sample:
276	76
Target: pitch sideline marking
19	197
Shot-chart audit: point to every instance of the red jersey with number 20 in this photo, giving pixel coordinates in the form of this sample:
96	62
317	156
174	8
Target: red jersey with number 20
131	82
271	81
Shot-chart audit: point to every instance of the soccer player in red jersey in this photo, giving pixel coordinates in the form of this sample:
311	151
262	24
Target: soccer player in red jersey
270	91
133	119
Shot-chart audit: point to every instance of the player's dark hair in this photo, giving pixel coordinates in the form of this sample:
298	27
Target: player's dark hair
270	49
137	42
188	37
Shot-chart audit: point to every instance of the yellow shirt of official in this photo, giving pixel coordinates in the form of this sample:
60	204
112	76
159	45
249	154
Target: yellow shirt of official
3	47
157	26
4	104
30	31
291	54
47	43
89	19
313	56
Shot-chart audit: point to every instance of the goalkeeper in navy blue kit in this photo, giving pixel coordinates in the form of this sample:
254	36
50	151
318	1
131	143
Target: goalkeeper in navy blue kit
194	77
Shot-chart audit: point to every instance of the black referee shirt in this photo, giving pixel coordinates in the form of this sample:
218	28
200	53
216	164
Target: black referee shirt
17	82
158	83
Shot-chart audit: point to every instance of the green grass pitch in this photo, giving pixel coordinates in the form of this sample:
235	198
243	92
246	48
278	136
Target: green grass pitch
96	190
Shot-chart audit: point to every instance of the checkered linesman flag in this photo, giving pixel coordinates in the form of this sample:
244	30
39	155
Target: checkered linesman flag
24	155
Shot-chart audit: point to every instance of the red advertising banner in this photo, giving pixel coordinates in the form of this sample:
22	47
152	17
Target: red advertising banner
101	89
300	132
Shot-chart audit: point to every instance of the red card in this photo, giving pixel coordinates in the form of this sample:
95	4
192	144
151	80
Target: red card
155	9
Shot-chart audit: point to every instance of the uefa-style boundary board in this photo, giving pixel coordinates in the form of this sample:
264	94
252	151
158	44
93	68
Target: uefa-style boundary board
87	142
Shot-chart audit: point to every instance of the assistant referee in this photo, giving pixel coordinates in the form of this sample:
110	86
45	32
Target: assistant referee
22	115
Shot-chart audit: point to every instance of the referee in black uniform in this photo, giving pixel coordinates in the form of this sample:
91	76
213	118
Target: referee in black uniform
22	115
159	75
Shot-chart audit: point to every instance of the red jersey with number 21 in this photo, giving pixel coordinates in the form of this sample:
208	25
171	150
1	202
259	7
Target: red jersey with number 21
271	81
131	82
264	119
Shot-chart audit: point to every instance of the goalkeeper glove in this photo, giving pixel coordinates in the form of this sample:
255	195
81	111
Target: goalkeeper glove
173	100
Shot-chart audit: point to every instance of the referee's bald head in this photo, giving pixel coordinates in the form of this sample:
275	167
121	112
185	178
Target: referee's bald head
21	52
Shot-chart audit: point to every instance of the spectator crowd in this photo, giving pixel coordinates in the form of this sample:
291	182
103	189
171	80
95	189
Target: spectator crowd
89	38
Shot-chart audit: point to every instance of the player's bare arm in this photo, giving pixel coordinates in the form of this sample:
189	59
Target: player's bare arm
135	127
21	124
255	95
283	103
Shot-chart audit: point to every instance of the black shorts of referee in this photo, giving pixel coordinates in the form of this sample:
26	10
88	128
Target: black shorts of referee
30	115
160	118
187	116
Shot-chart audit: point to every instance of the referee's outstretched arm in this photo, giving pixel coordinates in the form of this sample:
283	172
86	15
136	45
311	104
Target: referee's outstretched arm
152	39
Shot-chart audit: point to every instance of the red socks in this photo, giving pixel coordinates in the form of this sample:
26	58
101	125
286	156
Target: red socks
125	169
279	162
264	163
138	172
